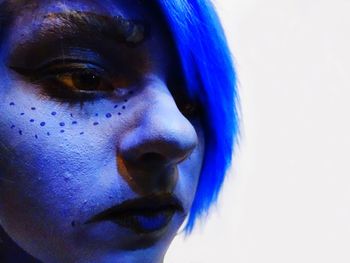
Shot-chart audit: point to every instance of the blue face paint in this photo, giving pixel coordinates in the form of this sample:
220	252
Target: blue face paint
95	162
42	124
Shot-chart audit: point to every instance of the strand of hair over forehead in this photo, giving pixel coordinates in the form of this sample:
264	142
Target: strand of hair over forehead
210	75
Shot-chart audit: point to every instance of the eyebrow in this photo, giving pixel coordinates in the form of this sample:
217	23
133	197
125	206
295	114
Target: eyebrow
77	23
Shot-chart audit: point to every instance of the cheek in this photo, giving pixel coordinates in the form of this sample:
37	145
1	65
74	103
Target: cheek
50	156
190	170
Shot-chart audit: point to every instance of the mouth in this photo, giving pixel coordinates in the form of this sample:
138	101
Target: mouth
142	215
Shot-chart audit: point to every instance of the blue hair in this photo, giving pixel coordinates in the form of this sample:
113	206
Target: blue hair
210	76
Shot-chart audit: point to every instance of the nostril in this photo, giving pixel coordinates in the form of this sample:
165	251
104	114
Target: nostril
151	160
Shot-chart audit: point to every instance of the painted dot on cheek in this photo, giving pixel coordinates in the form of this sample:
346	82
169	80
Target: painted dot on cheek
22	113
13	126
96	123
31	120
53	113
115	106
74	122
20	132
48	134
124	107
36	136
108	115
81	133
119	113
61	131
62	124
71	115
12	104
42	124
33	108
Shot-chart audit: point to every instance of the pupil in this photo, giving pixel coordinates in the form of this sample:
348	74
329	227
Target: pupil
86	81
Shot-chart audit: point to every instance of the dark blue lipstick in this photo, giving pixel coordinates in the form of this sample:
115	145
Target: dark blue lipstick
143	215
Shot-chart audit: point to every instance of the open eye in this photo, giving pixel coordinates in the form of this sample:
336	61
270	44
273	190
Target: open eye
78	81
85	81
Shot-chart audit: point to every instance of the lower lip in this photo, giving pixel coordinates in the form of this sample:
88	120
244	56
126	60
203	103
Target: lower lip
146	222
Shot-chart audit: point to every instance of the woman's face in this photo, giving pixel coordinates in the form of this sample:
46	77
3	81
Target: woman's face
100	152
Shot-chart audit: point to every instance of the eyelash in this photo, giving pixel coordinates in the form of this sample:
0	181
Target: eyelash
59	80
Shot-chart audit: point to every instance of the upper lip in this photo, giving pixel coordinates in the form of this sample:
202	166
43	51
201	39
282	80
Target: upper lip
151	203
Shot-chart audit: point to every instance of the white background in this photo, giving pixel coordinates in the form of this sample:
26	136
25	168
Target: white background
288	197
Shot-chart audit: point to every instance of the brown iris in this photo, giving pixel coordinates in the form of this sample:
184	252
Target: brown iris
84	81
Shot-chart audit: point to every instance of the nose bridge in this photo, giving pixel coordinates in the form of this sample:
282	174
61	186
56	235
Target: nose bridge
165	125
162	139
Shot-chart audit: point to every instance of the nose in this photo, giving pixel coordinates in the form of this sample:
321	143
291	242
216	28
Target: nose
162	137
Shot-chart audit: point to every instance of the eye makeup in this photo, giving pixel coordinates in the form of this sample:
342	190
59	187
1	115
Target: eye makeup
79	57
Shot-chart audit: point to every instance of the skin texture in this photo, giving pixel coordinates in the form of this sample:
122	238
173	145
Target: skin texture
66	158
